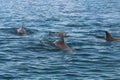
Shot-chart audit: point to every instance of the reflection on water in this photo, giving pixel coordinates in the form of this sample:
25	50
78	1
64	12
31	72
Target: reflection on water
33	57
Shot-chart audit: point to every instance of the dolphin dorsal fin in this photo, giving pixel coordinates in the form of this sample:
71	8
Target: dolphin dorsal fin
22	26
62	39
109	36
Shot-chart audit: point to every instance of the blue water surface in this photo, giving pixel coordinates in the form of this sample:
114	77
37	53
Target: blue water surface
33	57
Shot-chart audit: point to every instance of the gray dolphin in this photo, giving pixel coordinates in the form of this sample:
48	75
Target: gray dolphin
110	38
61	43
21	31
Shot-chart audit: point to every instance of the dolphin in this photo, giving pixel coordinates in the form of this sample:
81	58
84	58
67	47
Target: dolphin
21	31
110	38
61	43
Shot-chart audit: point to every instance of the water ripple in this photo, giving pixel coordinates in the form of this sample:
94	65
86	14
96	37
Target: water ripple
34	57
